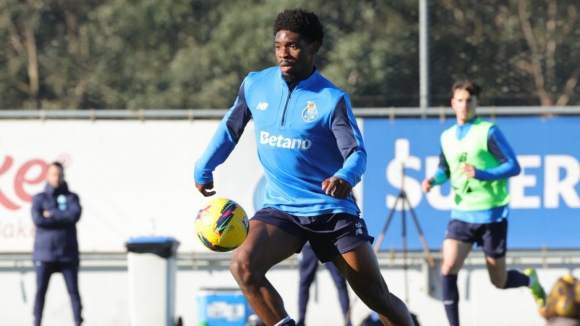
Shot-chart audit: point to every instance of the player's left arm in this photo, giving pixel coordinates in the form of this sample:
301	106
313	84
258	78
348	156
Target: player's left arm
350	142
222	143
498	146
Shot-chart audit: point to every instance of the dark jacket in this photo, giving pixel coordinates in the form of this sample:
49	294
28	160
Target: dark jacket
56	236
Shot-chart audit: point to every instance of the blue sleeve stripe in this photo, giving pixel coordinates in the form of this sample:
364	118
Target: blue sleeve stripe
498	147
440	177
350	143
343	131
442	173
239	116
443	165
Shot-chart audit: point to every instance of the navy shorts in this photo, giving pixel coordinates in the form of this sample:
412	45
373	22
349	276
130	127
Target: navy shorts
492	237
329	234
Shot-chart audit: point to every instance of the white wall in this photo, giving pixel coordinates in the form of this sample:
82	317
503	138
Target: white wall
127	173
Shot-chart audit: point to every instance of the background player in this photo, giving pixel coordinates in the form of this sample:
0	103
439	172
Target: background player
308	265
478	160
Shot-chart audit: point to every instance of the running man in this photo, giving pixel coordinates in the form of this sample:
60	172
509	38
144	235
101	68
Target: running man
312	152
478	160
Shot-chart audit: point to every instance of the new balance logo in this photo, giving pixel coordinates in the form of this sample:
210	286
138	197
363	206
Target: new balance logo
358	229
262	106
282	142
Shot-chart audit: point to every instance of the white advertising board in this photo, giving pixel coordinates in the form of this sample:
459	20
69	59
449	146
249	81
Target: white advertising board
134	178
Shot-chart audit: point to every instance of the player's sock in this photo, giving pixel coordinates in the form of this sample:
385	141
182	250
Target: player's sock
516	279
451	298
286	322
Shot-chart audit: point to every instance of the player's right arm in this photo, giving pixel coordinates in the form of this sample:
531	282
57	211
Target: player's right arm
222	143
441	175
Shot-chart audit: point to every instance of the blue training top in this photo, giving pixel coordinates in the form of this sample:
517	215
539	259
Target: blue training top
509	167
305	133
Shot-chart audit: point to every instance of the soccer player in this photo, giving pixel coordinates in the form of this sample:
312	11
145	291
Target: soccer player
313	154
478	161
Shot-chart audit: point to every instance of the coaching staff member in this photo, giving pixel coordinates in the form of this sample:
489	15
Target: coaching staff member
55	213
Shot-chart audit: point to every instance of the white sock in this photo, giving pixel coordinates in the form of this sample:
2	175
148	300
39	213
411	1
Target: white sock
283	321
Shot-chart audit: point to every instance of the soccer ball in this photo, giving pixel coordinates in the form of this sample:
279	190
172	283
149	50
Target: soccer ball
222	225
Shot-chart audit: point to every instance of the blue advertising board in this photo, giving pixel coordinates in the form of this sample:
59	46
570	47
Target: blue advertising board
545	197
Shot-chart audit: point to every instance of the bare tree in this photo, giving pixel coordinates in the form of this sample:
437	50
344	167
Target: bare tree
542	63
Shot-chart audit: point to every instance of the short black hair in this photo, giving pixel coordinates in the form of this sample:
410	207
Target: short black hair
300	21
468	85
58	165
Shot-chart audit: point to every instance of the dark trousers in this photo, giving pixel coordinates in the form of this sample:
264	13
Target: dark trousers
70	272
308	266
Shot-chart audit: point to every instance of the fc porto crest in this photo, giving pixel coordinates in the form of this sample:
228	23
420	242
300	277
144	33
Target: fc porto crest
310	113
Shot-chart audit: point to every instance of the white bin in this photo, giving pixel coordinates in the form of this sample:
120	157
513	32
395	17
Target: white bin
152	267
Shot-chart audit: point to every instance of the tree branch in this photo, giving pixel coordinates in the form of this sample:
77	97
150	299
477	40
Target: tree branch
536	65
22	86
569	88
551	44
32	62
569	25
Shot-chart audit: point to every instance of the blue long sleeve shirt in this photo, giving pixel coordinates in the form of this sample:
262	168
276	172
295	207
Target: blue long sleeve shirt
509	166
305	133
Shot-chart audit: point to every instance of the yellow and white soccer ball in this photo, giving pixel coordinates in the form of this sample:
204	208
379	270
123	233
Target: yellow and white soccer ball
222	225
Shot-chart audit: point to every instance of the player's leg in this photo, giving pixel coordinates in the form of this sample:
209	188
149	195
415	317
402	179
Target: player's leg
344	240
307	267
501	278
342	289
454	254
495	247
70	272
361	269
265	246
458	242
43	272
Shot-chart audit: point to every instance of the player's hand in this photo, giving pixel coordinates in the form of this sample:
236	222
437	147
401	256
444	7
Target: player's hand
206	189
336	187
469	171
46	214
426	185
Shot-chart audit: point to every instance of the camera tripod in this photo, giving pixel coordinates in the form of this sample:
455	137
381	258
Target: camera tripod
405	204
404	200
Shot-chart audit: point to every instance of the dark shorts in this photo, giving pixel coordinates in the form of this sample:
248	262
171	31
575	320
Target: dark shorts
492	237
329	234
